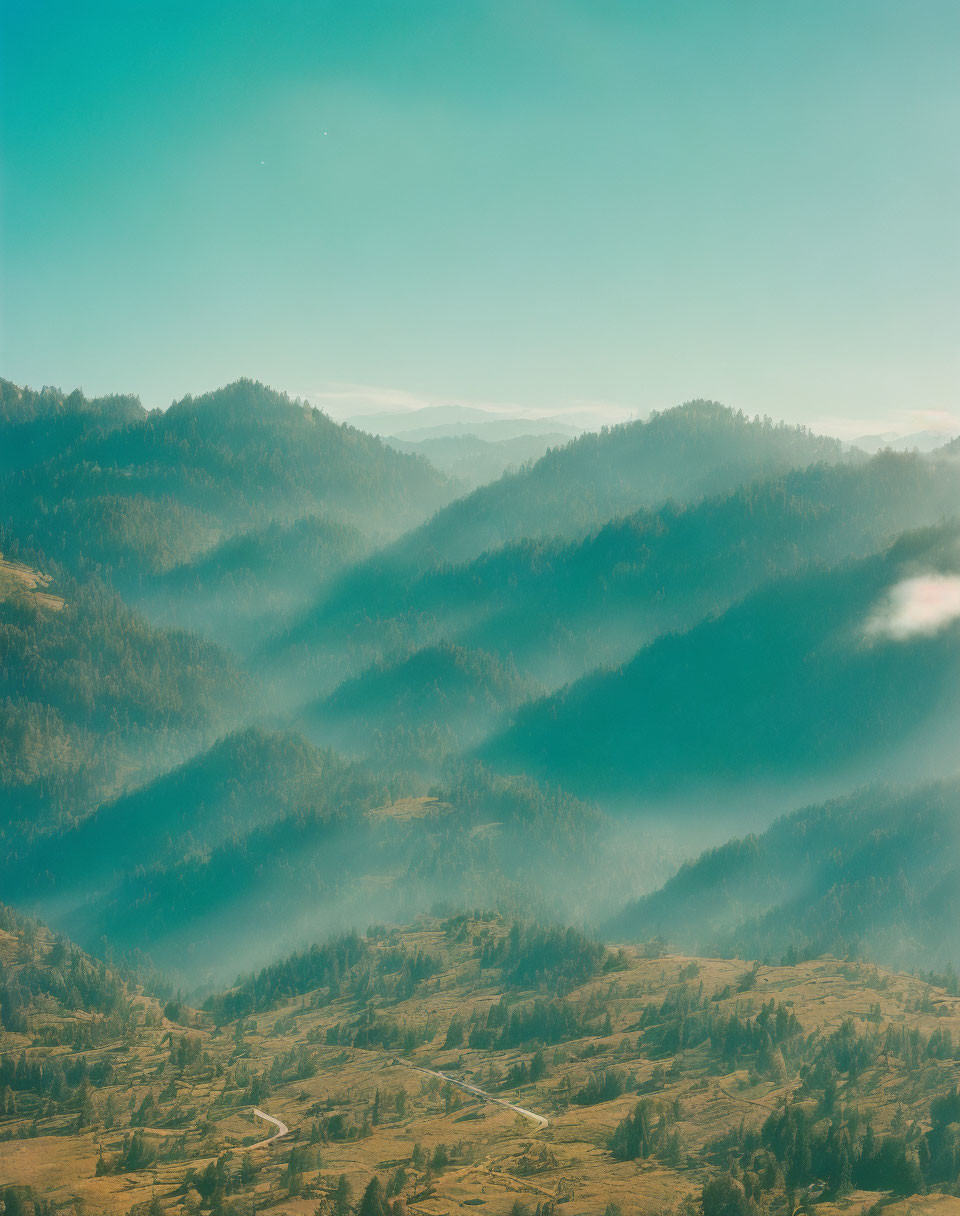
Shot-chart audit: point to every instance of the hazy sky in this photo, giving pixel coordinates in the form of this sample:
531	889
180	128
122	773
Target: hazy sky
544	204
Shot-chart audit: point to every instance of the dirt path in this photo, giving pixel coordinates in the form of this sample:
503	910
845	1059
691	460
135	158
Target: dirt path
282	1128
746	1101
540	1120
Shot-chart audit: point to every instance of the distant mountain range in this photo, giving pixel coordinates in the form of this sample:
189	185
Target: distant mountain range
471	445
457	421
680	455
919	441
261	672
473	461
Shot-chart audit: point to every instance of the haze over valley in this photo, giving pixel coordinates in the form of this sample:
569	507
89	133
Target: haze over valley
293	668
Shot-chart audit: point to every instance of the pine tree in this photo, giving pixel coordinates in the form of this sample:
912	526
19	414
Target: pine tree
843	1173
341	1197
373	1202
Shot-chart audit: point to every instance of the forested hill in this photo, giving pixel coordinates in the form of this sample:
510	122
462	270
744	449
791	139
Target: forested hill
37	425
239	590
24	406
245	849
91	695
421	709
681	454
247	780
642	469
558	608
789	686
141	497
876	873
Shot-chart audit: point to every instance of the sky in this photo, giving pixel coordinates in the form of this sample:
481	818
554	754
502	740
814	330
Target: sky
591	206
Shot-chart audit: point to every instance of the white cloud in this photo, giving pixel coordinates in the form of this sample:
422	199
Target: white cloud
923	604
896	424
348	400
359	398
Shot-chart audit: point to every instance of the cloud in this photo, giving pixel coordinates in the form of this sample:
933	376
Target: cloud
896	424
923	604
346	400
359	397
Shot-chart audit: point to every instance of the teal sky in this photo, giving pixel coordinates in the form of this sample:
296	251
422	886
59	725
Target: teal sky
536	204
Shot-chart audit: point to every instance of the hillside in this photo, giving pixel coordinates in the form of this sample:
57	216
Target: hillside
21	583
791	688
246	848
91	694
141	498
560	608
35	426
681	454
696	450
674	632
242	587
245	781
434	703
658	1083
874	874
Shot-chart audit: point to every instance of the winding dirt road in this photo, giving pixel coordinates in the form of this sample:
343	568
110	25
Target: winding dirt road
540	1120
282	1128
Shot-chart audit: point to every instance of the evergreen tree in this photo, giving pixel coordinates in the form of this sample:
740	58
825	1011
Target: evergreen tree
373	1202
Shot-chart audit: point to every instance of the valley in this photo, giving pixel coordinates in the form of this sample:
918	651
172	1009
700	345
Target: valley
479	608
302	711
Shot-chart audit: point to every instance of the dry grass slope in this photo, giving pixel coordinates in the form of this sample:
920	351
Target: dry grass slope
18	579
184	1088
